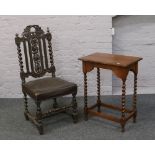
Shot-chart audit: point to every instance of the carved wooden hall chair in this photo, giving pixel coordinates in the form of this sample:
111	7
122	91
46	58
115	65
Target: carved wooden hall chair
36	59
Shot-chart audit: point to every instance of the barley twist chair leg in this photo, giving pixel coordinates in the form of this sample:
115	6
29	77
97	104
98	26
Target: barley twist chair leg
26	106
74	108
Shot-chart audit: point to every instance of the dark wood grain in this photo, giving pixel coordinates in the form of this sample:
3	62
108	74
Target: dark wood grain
37	52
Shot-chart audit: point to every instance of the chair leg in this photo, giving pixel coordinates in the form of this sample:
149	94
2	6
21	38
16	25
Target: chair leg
39	117
74	108
55	104
26	107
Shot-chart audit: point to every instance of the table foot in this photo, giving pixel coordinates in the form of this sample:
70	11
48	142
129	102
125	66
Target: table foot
98	109
134	118
85	114
123	127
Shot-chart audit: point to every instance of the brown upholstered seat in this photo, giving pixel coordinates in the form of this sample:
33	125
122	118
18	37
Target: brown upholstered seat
48	87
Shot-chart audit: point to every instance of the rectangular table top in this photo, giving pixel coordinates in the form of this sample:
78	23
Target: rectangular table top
111	59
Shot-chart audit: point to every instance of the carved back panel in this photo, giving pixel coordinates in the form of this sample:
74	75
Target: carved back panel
35	52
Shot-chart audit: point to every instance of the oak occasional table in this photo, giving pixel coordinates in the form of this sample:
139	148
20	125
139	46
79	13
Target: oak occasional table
120	65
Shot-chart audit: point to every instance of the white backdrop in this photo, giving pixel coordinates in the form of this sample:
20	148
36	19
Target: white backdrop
135	35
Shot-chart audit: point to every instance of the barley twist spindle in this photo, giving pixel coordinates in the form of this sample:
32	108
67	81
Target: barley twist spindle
26	106
49	38
74	104
98	89
74	107
85	96
25	101
135	97
123	105
20	58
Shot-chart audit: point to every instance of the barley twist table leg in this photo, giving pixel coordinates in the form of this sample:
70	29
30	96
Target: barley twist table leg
98	90
123	106
135	97
85	97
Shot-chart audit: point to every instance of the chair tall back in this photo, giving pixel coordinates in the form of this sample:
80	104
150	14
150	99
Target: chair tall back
33	48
